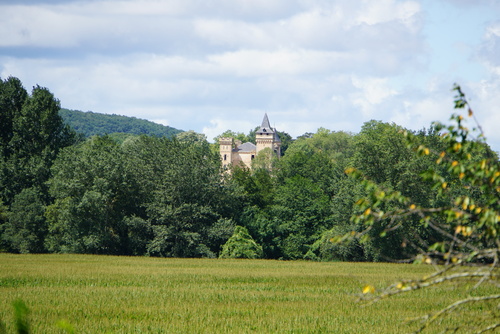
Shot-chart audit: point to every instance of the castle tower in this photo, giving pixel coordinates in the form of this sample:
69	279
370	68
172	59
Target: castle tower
226	150
235	153
267	137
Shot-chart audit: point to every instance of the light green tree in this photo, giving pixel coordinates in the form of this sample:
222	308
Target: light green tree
232	134
241	246
466	246
265	159
191	137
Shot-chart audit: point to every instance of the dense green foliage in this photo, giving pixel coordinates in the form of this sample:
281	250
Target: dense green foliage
159	196
91	124
148	195
241	246
32	135
453	217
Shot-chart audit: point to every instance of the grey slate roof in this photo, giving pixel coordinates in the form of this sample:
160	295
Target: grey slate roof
246	147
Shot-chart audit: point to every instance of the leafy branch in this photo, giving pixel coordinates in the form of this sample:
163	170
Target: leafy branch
465	245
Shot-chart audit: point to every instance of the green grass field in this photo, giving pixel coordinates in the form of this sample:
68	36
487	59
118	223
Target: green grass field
99	294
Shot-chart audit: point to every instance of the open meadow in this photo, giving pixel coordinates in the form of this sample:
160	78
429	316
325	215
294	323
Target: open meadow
98	294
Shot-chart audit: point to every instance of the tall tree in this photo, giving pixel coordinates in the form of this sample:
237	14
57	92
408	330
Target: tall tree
12	97
189	201
32	134
25	229
301	213
94	194
38	133
382	154
467	223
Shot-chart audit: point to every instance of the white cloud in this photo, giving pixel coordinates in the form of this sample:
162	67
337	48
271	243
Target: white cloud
389	10
281	62
420	114
371	93
484	98
219	125
38	26
217	65
337	26
490	47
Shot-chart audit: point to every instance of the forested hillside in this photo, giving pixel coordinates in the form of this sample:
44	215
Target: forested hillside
159	196
90	124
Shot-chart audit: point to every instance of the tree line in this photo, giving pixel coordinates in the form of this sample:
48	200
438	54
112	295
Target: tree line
90	124
158	196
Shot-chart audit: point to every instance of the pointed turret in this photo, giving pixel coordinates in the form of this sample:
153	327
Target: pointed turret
266	136
265	127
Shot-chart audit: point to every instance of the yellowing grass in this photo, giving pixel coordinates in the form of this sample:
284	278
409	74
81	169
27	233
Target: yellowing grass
98	294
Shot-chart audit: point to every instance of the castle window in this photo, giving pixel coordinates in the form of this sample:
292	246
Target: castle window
253	156
225	157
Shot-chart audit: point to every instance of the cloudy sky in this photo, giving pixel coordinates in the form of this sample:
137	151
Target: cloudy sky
213	65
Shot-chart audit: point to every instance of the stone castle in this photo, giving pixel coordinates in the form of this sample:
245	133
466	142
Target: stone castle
235	153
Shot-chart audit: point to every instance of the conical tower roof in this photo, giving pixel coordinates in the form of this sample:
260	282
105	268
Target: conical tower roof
265	127
265	122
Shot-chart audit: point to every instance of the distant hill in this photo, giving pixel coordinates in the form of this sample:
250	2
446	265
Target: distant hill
90	124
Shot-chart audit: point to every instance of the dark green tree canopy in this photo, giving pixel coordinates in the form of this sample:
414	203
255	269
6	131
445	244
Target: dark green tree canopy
167	195
34	134
91	124
12	98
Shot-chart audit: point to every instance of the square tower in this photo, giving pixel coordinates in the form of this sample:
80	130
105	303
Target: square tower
226	150
267	137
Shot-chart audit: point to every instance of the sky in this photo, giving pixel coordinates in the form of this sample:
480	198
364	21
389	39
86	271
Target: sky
214	65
